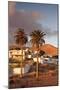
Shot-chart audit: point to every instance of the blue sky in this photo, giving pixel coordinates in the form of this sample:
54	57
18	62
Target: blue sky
45	15
49	10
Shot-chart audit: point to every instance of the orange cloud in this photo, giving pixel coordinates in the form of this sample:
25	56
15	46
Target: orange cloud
35	14
38	15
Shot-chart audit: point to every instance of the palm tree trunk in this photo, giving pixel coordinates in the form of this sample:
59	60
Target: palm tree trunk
37	67
21	63
37	61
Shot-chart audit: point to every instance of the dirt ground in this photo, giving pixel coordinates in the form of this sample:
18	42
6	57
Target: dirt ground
45	79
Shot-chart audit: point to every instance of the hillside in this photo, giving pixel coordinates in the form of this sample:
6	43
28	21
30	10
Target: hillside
49	49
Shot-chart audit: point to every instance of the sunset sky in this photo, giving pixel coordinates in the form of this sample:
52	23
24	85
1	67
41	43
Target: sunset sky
30	16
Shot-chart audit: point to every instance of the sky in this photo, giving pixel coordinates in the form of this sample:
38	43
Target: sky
31	16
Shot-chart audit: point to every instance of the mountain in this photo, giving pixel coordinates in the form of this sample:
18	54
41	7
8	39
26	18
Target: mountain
49	49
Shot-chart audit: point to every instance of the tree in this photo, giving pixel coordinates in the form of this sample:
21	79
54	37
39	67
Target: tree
41	53
21	40
37	38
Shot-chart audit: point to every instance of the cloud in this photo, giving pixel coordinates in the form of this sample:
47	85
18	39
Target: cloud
49	32
22	18
26	20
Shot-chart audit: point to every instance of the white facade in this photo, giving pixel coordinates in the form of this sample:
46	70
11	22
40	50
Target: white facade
25	69
40	60
18	70
16	54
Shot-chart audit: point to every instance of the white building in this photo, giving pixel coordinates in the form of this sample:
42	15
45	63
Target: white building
16	54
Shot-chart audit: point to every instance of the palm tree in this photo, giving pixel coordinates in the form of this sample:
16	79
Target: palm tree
37	38
21	40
